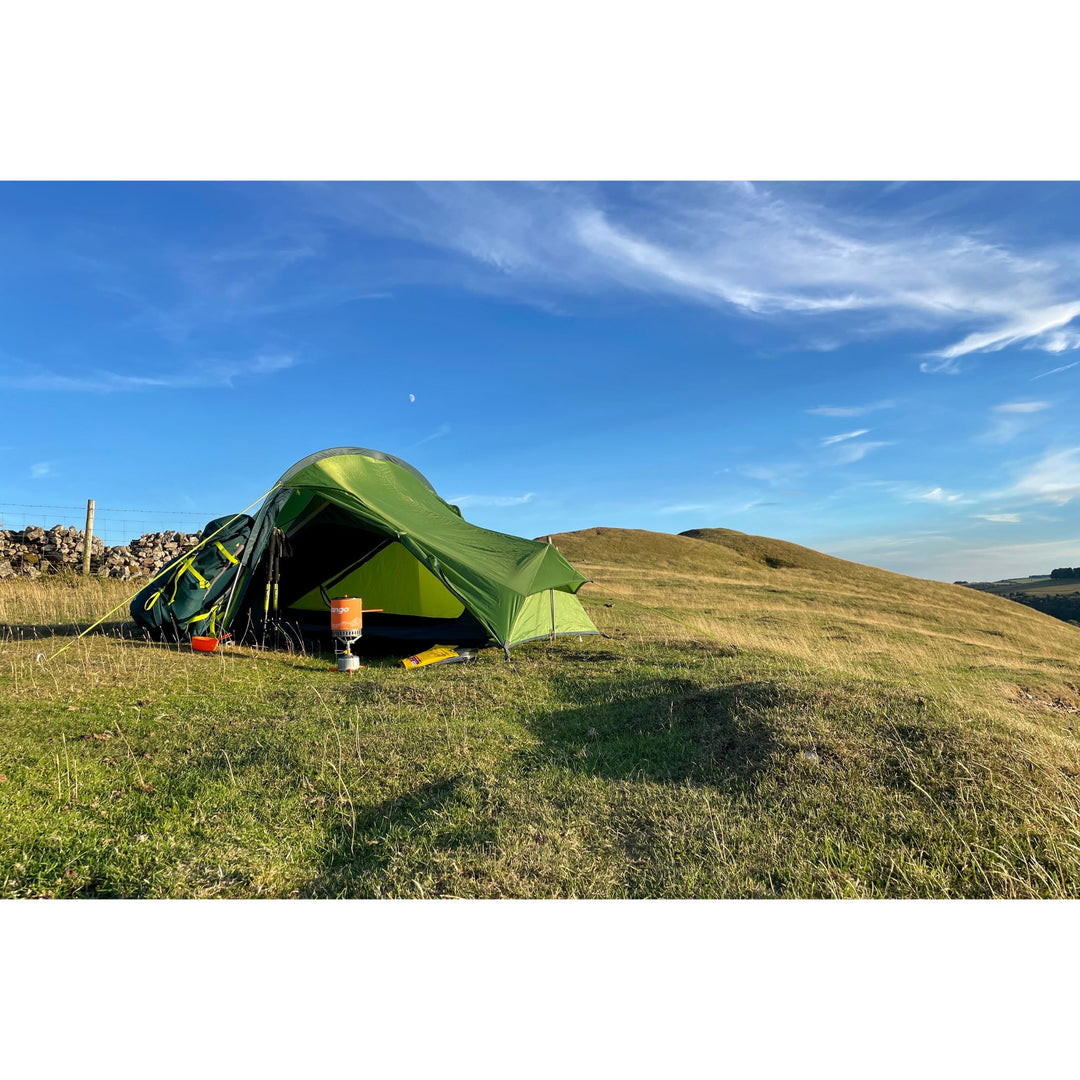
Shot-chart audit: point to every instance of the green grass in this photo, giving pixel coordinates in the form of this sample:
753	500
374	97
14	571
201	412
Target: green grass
760	721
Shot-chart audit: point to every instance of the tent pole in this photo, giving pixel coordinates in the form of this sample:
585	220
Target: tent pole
228	609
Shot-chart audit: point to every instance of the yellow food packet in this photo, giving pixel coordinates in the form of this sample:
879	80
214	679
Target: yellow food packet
437	654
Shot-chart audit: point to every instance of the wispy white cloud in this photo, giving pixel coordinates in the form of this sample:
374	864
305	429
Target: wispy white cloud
1059	341
882	543
269	259
40	470
441	431
1011	519
822	344
700	274
937	495
849	453
837	450
685	509
850	410
782	473
994	562
1013	419
937	554
763	251
176	286
492	500
833	439
909	491
1055	371
904	552
1022	406
1032	326
203	375
1055	478
1003	430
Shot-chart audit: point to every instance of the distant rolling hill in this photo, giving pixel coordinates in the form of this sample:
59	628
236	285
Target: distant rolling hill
774	554
1057	597
777	595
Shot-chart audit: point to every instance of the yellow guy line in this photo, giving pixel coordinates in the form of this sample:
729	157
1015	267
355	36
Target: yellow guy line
161	573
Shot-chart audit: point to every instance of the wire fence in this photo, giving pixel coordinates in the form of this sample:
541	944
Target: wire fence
114	526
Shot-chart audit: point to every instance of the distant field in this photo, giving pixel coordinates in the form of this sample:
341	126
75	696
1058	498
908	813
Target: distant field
1056	597
1031	586
761	720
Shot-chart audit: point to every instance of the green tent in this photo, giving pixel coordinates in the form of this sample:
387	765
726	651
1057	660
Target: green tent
361	523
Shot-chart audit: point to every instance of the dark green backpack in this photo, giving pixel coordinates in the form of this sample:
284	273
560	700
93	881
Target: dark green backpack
189	594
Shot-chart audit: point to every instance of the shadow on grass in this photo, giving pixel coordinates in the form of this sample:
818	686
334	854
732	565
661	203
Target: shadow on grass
363	855
662	731
666	730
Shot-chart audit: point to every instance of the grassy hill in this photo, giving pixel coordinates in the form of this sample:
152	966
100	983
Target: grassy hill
759	720
834	615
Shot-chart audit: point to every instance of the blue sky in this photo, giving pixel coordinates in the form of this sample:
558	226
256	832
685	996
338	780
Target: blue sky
885	372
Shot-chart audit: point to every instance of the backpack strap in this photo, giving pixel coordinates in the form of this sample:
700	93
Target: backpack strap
226	552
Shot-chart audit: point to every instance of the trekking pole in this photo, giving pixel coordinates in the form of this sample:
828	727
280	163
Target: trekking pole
277	571
273	577
266	591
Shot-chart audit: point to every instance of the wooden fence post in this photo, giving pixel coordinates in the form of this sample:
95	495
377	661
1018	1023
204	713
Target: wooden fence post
88	537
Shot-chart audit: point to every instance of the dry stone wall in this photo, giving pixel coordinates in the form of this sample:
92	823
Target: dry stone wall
34	551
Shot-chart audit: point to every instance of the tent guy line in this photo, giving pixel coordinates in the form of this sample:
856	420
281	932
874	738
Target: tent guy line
161	573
